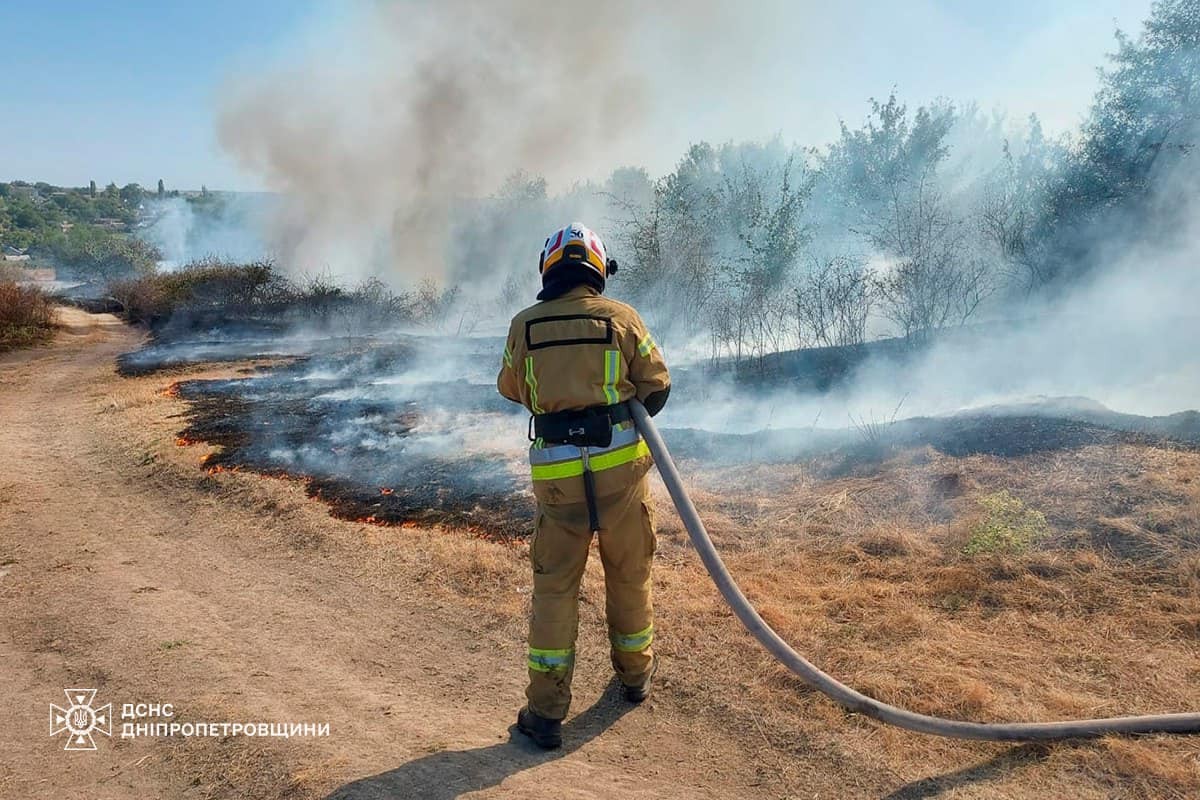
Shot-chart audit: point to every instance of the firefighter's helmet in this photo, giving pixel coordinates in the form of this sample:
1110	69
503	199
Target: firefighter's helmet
576	244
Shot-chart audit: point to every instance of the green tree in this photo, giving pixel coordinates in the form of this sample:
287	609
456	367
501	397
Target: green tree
1142	131
131	194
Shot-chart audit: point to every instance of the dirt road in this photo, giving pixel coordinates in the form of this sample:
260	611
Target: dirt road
128	570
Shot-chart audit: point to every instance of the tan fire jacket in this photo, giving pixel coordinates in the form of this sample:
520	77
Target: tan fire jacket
573	352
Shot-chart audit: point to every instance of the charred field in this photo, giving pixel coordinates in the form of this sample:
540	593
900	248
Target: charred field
372	444
408	429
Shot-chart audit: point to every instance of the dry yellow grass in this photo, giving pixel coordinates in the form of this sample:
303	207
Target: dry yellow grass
27	315
866	575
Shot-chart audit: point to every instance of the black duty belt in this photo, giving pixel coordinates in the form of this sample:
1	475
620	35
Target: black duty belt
588	427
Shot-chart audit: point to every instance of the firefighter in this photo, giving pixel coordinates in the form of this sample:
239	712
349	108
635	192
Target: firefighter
572	360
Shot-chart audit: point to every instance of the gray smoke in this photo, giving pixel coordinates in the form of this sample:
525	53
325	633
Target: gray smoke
374	132
384	135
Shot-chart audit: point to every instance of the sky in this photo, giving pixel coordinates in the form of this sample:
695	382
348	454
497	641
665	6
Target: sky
131	91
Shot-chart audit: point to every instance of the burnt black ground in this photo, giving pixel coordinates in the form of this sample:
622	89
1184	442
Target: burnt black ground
410	428
364	445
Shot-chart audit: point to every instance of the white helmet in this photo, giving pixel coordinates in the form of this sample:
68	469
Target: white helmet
576	243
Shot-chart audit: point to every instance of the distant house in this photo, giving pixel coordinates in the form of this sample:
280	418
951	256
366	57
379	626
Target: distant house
9	253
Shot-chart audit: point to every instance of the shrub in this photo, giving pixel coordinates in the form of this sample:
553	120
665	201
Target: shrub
26	315
217	291
209	284
1007	526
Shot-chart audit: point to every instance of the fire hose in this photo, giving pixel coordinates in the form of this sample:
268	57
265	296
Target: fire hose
840	692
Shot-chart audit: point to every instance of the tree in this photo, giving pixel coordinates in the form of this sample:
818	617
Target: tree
1013	196
886	176
131	194
869	168
1143	128
89	251
933	280
833	302
716	242
91	188
162	189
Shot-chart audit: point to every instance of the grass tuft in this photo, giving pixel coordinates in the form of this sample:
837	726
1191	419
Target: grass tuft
1008	526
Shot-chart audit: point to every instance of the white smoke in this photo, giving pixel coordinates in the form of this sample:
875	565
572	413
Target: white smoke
400	110
226	227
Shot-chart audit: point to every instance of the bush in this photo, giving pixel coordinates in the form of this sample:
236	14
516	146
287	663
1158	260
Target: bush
216	291
210	284
26	315
1007	526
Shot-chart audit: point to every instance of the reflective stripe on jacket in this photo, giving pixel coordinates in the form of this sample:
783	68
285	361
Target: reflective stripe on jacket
566	461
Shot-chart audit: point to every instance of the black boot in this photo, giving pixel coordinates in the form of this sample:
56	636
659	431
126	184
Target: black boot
638	694
546	733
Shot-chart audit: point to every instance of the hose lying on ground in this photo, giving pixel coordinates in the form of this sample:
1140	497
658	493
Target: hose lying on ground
839	692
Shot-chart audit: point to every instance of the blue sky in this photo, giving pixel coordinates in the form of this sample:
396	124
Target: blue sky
125	91
129	91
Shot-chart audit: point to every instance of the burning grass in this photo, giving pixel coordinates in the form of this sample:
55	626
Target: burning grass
27	316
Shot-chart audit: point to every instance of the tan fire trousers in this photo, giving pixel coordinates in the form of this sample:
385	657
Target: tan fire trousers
558	553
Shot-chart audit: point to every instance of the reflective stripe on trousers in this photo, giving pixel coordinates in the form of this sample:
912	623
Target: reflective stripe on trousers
543	660
633	642
566	461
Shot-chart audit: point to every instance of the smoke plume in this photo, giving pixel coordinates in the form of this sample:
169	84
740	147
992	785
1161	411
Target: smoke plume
374	131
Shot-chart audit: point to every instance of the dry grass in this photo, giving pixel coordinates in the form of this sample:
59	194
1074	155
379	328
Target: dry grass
867	576
870	577
27	316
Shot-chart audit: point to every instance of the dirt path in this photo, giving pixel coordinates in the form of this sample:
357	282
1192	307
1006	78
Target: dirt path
235	599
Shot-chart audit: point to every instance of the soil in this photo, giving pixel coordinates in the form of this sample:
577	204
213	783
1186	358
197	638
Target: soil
126	567
150	581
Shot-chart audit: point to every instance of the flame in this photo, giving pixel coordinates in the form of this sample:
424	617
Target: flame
386	490
170	390
371	519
